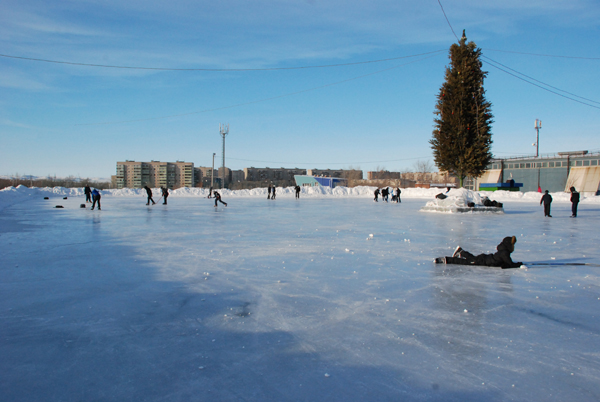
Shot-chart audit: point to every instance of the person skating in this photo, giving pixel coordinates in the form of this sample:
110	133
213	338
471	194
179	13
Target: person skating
398	192
499	259
88	194
574	202
96	197
376	195
218	198
269	192
273	195
385	193
165	194
149	192
297	188
547	200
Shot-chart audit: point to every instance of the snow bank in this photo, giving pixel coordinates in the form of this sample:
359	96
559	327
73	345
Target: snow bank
12	195
458	200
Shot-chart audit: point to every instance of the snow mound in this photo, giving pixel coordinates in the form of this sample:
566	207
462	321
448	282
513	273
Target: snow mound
458	200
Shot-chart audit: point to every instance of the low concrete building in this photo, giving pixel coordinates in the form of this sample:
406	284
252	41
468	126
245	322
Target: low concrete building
556	172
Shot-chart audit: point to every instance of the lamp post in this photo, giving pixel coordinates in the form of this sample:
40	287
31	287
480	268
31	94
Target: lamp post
212	172
538	126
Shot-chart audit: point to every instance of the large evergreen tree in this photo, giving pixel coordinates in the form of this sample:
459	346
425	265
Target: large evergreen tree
462	137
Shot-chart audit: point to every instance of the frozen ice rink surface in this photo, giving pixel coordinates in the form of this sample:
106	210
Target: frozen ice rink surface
294	301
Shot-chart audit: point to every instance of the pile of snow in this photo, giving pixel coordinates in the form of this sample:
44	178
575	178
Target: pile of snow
458	200
458	197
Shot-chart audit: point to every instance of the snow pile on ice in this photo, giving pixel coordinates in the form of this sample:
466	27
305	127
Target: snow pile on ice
458	197
458	200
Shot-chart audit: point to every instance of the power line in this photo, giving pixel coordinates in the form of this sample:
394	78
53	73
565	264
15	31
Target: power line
448	21
543	55
543	83
259	100
214	69
492	63
328	163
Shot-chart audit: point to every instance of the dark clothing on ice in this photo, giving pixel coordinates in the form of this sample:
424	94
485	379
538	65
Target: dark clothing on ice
574	201
499	259
269	192
377	195
165	194
547	200
273	195
218	199
297	188
384	194
96	197
149	192
398	192
88	193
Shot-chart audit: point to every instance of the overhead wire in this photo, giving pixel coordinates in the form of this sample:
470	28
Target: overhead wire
218	69
493	64
543	83
259	100
542	55
447	20
327	163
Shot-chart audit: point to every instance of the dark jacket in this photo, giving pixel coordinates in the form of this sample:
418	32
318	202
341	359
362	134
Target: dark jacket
148	191
575	197
87	190
501	258
546	199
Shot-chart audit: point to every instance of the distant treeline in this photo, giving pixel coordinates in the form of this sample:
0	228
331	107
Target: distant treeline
69	182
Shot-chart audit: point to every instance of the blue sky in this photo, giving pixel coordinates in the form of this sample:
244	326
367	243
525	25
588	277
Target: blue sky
64	119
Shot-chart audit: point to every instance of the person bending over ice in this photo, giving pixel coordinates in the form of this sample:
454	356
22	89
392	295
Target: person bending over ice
500	259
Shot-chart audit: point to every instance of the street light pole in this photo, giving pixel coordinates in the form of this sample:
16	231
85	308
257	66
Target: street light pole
212	172
538	126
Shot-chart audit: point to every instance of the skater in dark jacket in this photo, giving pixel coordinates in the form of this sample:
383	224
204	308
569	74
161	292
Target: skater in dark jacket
218	198
398	192
269	192
547	200
165	194
376	195
273	195
500	259
88	194
149	193
574	202
297	188
385	192
96	197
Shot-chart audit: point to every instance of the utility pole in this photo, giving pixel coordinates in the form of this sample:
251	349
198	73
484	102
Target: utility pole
212	172
538	126
223	130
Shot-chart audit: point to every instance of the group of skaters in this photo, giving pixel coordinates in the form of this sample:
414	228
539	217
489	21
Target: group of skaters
547	200
386	192
92	196
164	196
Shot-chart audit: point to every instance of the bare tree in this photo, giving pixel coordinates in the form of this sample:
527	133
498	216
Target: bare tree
423	166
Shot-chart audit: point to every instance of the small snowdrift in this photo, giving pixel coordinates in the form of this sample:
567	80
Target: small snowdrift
461	200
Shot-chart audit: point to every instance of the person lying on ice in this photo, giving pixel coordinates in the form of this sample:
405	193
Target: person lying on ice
500	259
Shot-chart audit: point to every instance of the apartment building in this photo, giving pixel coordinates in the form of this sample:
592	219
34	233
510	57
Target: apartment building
132	174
